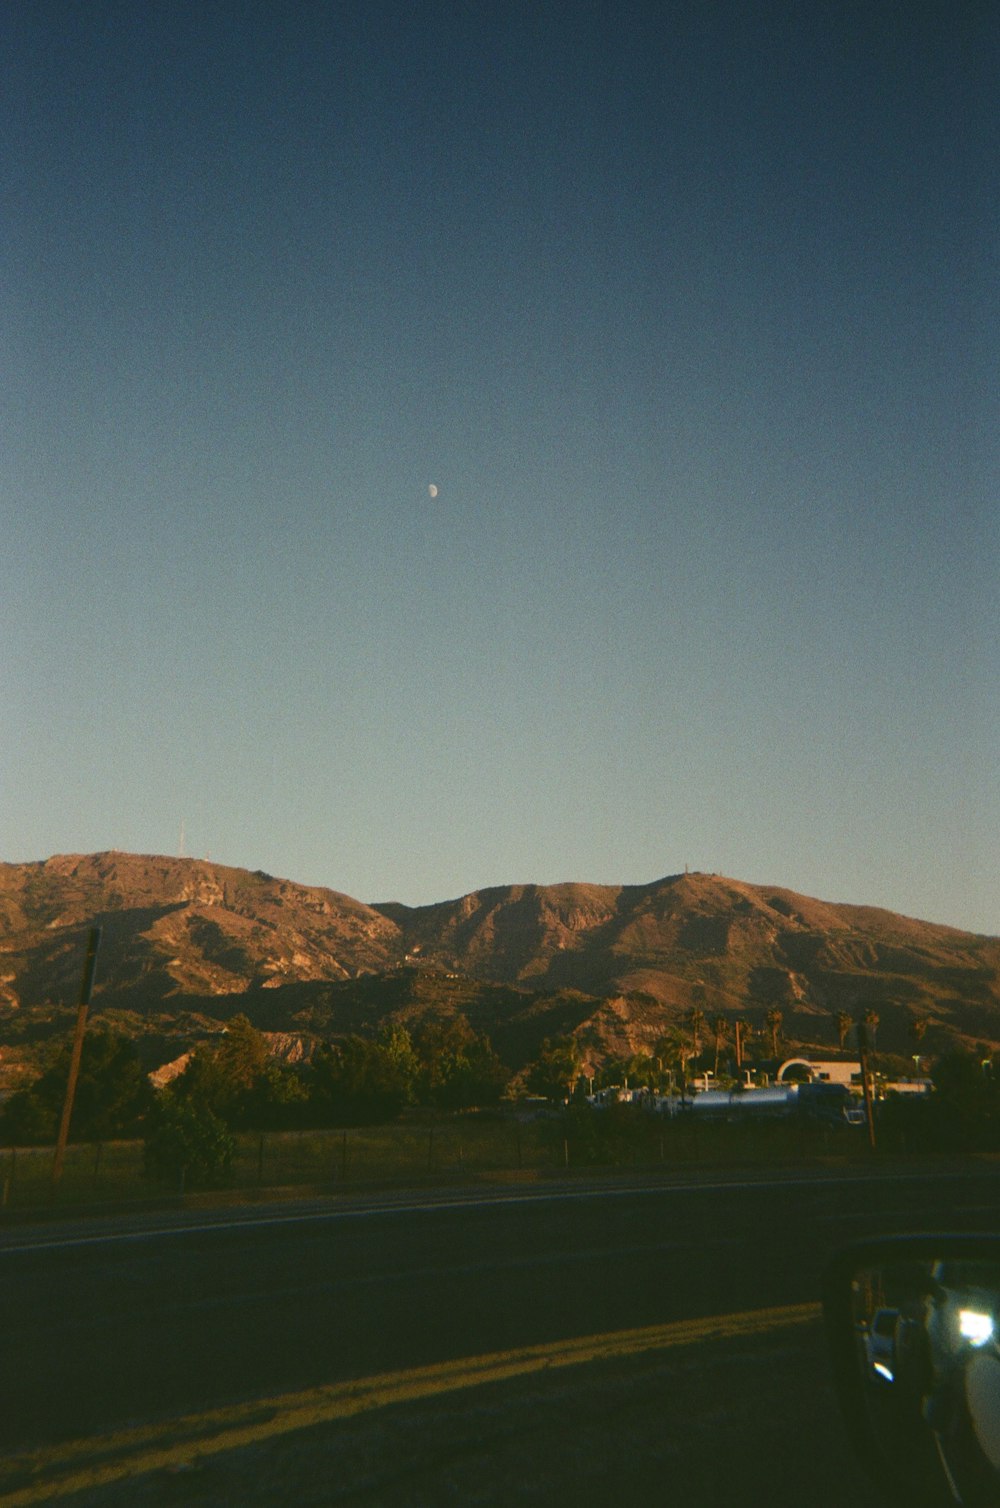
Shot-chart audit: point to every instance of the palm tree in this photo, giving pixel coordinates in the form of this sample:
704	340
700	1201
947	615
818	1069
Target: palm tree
668	1053
719	1031
844	1023
740	1025
870	1019
917	1030
696	1020
684	1054
774	1020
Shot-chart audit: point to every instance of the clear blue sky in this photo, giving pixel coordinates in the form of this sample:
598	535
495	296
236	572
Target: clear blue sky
690	313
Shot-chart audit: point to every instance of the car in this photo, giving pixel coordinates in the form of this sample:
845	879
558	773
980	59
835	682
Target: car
880	1343
912	1326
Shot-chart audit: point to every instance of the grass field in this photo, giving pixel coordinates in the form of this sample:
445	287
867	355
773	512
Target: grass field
408	1152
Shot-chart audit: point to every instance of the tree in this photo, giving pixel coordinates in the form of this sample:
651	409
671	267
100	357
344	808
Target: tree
668	1052
556	1069
917	1031
458	1068
437	1038
112	1094
187	1144
844	1023
241	1052
633	1068
774	1020
719	1033
696	1020
741	1030
26	1121
870	1019
362	1082
474	1076
965	1099
277	1100
221	1075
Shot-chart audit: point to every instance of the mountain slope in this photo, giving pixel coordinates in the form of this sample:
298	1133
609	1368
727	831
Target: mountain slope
705	940
614	964
177	927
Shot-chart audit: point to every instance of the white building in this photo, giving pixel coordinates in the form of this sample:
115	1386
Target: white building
820	1071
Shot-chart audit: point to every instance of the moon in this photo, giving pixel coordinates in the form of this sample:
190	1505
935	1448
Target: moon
432	490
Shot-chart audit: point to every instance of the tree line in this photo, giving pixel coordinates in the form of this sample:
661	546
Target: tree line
439	1062
233	1084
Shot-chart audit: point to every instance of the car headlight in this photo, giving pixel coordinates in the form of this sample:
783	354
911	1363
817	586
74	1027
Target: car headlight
975	1326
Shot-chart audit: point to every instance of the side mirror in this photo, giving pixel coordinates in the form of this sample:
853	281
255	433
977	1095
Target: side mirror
913	1326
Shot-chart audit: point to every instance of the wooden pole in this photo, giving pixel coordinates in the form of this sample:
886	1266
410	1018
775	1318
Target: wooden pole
86	985
866	1083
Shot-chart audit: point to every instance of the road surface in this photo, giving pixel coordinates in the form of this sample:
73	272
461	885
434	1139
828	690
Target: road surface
125	1324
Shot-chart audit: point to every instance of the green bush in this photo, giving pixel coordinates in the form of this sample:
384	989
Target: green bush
27	1121
112	1094
187	1144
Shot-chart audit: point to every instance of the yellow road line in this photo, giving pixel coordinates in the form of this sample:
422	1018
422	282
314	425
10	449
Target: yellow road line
81	1464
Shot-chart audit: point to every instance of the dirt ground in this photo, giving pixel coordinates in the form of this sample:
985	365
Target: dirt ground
750	1421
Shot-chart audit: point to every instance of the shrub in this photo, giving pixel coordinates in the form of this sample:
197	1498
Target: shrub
27	1121
187	1144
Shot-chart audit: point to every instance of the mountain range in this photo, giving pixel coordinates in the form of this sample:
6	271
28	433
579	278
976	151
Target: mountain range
187	943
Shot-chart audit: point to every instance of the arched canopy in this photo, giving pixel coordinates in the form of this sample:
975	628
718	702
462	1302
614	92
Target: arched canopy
806	1076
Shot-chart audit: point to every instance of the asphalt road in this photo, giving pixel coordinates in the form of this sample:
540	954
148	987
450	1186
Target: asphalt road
107	1326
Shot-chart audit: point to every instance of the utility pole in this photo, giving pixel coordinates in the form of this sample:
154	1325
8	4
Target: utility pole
86	985
863	1043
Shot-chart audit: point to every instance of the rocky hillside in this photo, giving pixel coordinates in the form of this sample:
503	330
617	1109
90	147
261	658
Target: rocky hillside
712	942
174	928
187	943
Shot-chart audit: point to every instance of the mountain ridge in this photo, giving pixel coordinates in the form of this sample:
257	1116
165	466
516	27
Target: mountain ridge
191	935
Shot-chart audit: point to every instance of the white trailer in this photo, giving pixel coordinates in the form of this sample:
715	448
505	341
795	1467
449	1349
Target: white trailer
832	1104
